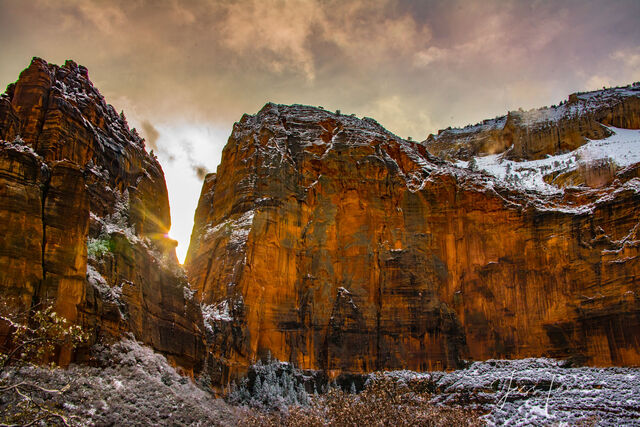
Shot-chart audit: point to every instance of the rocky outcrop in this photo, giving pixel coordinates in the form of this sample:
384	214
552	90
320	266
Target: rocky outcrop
327	241
85	215
537	133
21	242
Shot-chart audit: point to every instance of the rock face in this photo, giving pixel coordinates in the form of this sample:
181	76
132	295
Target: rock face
84	217
546	131
327	241
323	239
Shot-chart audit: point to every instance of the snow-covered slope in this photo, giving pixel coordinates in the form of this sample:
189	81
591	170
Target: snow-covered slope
536	133
578	104
538	392
622	148
127	384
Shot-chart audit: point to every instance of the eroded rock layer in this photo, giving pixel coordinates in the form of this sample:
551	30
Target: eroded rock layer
85	214
329	242
537	133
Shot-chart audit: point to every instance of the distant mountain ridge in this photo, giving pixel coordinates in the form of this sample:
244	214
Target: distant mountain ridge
533	134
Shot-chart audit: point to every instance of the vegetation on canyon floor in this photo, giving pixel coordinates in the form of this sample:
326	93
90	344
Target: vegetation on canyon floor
30	337
383	402
127	382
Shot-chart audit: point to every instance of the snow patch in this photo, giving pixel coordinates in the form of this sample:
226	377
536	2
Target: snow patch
220	312
623	148
107	293
236	230
19	144
188	292
118	221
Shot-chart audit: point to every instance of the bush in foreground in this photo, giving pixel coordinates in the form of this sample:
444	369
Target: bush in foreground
272	386
383	402
30	337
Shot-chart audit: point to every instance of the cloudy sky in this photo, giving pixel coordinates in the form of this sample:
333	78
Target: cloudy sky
184	71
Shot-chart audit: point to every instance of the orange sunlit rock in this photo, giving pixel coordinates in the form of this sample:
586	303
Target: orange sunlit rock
348	249
84	217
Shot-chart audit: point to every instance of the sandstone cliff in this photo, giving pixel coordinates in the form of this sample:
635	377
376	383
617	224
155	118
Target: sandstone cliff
84	215
331	243
323	239
537	133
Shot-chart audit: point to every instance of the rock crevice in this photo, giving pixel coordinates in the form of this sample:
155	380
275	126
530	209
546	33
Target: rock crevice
98	212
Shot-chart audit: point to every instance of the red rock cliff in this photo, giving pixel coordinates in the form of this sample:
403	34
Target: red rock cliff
85	214
537	133
329	242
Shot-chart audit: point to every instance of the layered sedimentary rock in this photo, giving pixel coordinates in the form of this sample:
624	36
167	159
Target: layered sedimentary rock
327	241
85	214
537	133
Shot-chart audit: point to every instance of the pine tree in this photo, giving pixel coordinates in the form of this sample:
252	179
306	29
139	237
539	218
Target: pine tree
473	165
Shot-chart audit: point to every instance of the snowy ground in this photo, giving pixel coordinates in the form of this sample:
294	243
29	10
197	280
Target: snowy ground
132	385
623	147
539	392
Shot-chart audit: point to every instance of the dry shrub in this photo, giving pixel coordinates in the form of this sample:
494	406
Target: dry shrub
384	402
30	337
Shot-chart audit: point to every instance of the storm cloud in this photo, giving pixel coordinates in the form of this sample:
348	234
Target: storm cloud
151	135
415	66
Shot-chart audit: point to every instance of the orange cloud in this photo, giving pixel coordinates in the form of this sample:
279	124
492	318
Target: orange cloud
419	65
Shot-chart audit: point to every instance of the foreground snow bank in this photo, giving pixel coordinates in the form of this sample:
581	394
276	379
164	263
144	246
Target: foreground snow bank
131	385
537	392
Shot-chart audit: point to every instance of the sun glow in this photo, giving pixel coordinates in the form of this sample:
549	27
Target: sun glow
186	152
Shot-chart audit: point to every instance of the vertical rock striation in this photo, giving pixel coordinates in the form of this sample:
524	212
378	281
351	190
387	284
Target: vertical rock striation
329	242
85	215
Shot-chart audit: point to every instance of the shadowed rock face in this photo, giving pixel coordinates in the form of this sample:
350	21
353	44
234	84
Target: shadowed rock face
329	242
85	214
546	131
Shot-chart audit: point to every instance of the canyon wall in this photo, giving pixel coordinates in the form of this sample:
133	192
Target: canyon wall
329	242
84	217
323	239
